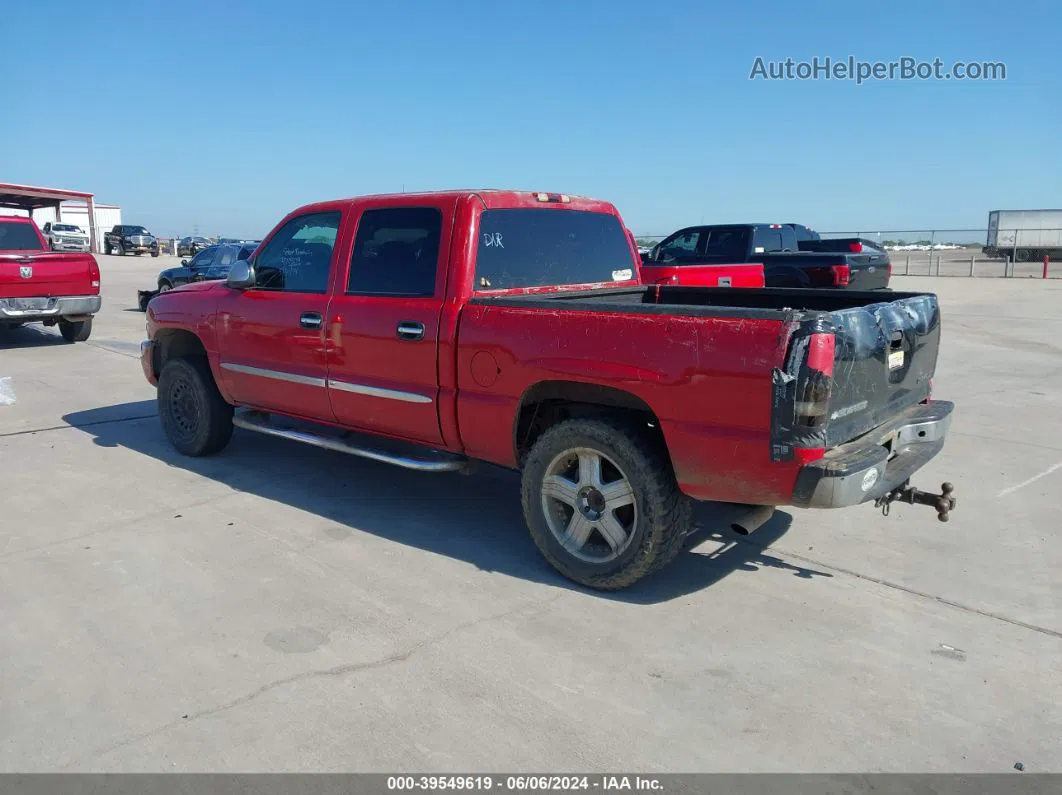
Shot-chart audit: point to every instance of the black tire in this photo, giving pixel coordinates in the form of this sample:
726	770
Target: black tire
154	253
107	249
164	286
663	513
1023	255
75	330
195	417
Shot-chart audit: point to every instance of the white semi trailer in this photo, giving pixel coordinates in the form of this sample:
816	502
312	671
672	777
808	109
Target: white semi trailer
1024	235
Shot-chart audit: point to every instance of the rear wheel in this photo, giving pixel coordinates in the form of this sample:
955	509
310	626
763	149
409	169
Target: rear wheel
602	503
75	330
195	417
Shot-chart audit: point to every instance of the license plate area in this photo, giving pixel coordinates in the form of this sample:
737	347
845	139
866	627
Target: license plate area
28	304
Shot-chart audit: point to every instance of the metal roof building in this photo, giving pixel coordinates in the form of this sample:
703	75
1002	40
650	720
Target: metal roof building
29	198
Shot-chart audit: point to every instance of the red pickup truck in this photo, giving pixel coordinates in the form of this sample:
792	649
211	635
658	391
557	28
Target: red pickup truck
432	330
41	286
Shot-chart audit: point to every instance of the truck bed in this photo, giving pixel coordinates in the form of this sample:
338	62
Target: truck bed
760	303
731	371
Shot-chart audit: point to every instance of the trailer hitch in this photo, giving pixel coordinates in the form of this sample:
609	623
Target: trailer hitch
943	502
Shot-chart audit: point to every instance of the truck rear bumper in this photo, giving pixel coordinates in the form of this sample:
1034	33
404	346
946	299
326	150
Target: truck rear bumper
27	310
876	463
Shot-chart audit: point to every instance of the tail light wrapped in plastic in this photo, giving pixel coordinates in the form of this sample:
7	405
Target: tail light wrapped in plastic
816	383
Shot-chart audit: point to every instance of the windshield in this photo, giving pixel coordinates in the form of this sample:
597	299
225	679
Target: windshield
545	247
18	237
135	230
65	228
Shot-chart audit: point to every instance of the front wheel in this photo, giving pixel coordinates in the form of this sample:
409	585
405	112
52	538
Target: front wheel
602	503
195	417
75	330
165	287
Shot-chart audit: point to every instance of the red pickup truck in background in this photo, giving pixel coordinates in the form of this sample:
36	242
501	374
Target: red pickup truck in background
41	286
703	275
432	330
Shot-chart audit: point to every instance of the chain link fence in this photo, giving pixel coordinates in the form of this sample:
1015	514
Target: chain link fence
956	252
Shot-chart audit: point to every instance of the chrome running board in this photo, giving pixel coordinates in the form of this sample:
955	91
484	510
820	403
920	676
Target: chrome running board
419	459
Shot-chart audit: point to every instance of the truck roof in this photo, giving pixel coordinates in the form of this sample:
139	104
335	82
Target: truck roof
492	197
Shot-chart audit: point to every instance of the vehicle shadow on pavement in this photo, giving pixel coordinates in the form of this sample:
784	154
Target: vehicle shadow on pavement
31	336
474	518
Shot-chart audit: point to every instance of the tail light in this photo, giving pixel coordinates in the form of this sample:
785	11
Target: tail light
842	275
813	392
94	273
855	247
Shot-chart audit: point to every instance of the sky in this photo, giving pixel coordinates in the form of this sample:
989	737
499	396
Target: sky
223	116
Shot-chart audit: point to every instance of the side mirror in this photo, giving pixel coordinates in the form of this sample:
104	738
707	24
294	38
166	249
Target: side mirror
184	263
241	275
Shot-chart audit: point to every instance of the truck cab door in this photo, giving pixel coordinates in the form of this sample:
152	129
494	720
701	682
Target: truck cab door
383	371
271	340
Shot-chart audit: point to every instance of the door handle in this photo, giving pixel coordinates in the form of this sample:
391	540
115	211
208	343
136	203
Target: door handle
310	320
409	330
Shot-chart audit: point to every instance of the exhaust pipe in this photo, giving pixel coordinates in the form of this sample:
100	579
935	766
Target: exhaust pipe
752	520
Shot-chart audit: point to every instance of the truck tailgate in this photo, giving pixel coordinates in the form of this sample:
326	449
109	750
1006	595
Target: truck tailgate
730	275
868	269
47	274
884	358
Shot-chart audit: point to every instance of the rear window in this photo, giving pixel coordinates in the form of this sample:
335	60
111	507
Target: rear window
546	247
18	237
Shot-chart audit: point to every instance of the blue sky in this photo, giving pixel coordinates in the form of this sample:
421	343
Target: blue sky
229	114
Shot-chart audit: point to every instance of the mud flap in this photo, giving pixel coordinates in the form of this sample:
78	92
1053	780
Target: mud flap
944	503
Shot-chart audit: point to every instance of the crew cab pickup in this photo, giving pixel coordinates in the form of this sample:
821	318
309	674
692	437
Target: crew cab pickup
787	262
439	329
129	239
42	286
65	237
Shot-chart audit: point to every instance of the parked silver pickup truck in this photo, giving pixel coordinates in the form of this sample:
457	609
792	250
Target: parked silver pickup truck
65	237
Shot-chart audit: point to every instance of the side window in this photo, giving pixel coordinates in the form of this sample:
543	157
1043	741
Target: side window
396	252
203	258
228	254
299	257
768	240
684	245
727	244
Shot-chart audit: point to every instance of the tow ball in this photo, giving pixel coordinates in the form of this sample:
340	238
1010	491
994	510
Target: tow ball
943	502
